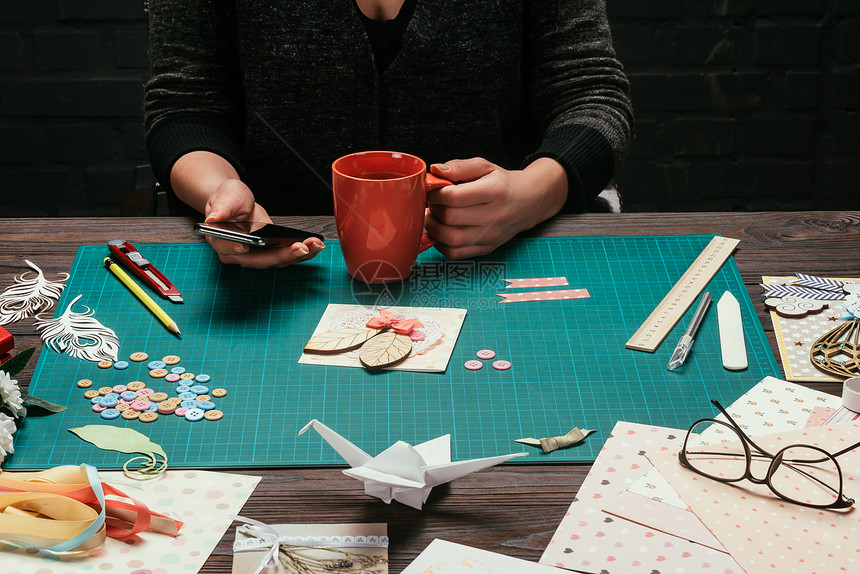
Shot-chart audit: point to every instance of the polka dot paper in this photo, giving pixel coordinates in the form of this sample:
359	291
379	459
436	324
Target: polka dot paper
204	501
765	533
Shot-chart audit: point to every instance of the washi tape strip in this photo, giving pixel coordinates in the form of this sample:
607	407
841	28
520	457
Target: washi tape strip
818	283
536	282
802	292
842	414
544	295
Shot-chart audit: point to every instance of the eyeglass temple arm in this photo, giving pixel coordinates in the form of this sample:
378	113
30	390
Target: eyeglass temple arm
737	427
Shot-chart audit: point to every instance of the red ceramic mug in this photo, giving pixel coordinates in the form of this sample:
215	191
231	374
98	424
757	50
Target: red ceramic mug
379	202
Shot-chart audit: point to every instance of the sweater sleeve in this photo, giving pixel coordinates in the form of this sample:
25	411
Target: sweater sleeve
578	93
193	100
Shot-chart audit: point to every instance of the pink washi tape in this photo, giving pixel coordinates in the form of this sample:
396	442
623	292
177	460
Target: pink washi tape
536	282
544	295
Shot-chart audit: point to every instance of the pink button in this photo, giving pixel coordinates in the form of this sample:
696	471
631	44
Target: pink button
501	365
120	388
141	405
180	412
171	378
97	408
473	365
145	392
486	354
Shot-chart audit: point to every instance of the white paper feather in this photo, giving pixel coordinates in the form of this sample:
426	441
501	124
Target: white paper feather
29	295
80	335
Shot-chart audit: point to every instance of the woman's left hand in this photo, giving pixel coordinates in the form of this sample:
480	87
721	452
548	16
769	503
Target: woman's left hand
492	204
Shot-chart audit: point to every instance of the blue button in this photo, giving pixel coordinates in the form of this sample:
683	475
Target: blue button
112	396
96	400
156	365
201	378
153	408
108	402
109	414
205	405
199	389
193	415
121	365
189	404
177	370
129	395
183	389
187	396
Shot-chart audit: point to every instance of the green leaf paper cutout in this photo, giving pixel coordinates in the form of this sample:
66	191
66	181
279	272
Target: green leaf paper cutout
17	363
119	439
43	404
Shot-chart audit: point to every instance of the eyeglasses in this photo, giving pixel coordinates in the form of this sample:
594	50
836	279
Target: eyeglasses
801	474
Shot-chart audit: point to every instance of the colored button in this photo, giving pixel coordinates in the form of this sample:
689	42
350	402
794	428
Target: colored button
202	378
213	415
473	365
153	408
172	378
105	390
166	408
135	385
142	571
486	354
158	397
105	364
170	360
218	393
183	389
189	404
108	402
96	400
120	365
138	357
174	400
130	414
177	370
194	415
180	411
199	389
97	408
186	376
205	405
141	405
155	365
129	395
110	414
501	365
148	417
203	398
123	407
112	396
158	373
85	384
120	388
144	392
91	394
187	395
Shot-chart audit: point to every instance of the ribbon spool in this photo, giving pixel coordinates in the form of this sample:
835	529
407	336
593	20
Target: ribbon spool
851	394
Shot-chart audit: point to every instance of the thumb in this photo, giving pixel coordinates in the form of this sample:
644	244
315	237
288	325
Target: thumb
463	169
229	204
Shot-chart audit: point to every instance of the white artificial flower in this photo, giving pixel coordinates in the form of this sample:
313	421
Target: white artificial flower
10	394
7	429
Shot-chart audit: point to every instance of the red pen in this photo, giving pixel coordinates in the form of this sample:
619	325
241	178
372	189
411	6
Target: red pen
130	258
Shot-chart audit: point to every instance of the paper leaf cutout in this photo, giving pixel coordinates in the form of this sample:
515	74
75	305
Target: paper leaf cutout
556	442
17	363
43	404
339	340
385	349
794	306
80	335
29	296
125	440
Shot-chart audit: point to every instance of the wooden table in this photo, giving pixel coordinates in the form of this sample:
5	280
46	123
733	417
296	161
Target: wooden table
509	509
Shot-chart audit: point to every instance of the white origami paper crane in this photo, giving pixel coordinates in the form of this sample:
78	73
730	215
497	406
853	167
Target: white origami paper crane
404	472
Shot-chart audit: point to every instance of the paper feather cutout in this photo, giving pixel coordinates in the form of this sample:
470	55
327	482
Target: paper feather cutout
385	349
404	472
129	441
29	295
80	335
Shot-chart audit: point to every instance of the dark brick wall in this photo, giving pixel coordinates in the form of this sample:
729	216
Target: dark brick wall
740	104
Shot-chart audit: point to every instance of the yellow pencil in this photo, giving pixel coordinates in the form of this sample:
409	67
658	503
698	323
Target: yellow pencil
142	296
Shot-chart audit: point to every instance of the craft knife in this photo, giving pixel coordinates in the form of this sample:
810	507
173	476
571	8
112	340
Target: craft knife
686	342
731	333
130	258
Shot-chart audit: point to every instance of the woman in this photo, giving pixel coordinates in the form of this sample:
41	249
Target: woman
522	102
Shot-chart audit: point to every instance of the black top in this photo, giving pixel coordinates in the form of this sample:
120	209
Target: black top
386	37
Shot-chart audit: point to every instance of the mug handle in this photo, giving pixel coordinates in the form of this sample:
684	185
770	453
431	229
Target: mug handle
431	182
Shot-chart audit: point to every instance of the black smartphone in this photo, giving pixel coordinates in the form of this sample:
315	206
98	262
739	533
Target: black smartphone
256	233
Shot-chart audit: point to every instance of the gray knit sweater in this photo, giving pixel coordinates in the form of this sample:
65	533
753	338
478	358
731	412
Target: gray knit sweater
282	88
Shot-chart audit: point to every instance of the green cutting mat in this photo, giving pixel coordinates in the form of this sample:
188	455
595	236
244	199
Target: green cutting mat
246	329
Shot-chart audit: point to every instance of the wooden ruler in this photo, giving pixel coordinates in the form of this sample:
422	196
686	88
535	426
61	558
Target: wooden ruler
673	306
